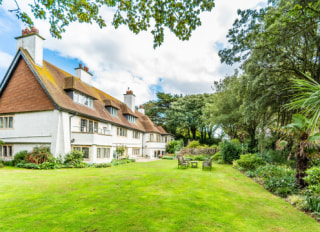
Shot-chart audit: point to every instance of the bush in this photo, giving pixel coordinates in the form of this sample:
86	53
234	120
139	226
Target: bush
39	155
193	144
74	157
30	166
313	179
8	163
249	161
313	203
168	157
298	201
132	160
20	157
277	179
230	151
275	157
217	156
49	165
201	157
1	164
102	165
174	146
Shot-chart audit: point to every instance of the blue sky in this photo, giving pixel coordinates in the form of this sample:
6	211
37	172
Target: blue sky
119	59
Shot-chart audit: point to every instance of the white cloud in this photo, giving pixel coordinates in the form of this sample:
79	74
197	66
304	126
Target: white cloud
5	60
119	59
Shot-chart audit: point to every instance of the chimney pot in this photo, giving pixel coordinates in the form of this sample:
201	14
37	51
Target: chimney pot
80	65
34	30
141	106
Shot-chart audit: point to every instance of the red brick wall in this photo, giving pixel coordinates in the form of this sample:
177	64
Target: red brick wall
24	93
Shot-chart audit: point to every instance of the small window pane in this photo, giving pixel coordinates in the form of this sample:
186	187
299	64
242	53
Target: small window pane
98	153
5	152
86	152
1	122
5	122
83	125
95	127
10	122
90	126
0	152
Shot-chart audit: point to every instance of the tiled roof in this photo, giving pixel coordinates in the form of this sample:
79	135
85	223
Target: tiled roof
56	82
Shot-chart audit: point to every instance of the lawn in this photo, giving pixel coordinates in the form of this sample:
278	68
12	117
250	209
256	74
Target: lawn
153	196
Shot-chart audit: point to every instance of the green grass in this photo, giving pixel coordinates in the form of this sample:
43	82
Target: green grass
153	196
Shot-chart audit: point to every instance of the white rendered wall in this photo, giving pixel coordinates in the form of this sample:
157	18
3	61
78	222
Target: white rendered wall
34	45
84	76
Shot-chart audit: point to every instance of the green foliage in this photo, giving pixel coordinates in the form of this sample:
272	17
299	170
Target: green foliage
28	165
1	142
174	146
313	204
1	164
313	179
299	201
168	157
74	157
193	144
20	157
180	17
39	155
277	179
49	165
103	165
249	161
120	150
217	157
275	156
230	151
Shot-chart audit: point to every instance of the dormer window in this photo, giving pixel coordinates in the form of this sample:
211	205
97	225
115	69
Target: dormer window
113	111
83	99
131	118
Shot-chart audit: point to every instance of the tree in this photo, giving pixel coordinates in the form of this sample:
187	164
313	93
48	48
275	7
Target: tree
304	144
186	113
307	100
181	17
284	36
156	110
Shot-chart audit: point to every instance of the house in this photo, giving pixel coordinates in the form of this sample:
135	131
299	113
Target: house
41	104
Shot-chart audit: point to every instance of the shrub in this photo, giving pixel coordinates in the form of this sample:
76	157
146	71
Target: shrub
81	165
275	157
102	165
193	144
49	165
230	151
20	157
74	157
298	201
132	160
313	203
8	163
31	166
217	156
313	179
249	161
1	164
201	157
174	146
39	155
277	179
168	157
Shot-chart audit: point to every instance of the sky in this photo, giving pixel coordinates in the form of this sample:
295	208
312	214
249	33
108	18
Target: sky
119	59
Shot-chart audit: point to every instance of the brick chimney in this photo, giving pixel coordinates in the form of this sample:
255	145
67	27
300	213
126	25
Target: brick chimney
141	109
129	99
83	74
33	43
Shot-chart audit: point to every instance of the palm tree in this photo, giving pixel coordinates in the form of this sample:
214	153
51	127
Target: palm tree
304	144
307	100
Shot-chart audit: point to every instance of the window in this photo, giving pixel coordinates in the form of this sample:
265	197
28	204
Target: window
135	135
6	151
6	122
103	152
131	118
85	150
151	137
84	123
135	151
121	132
113	111
158	138
88	126
164	139
82	99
